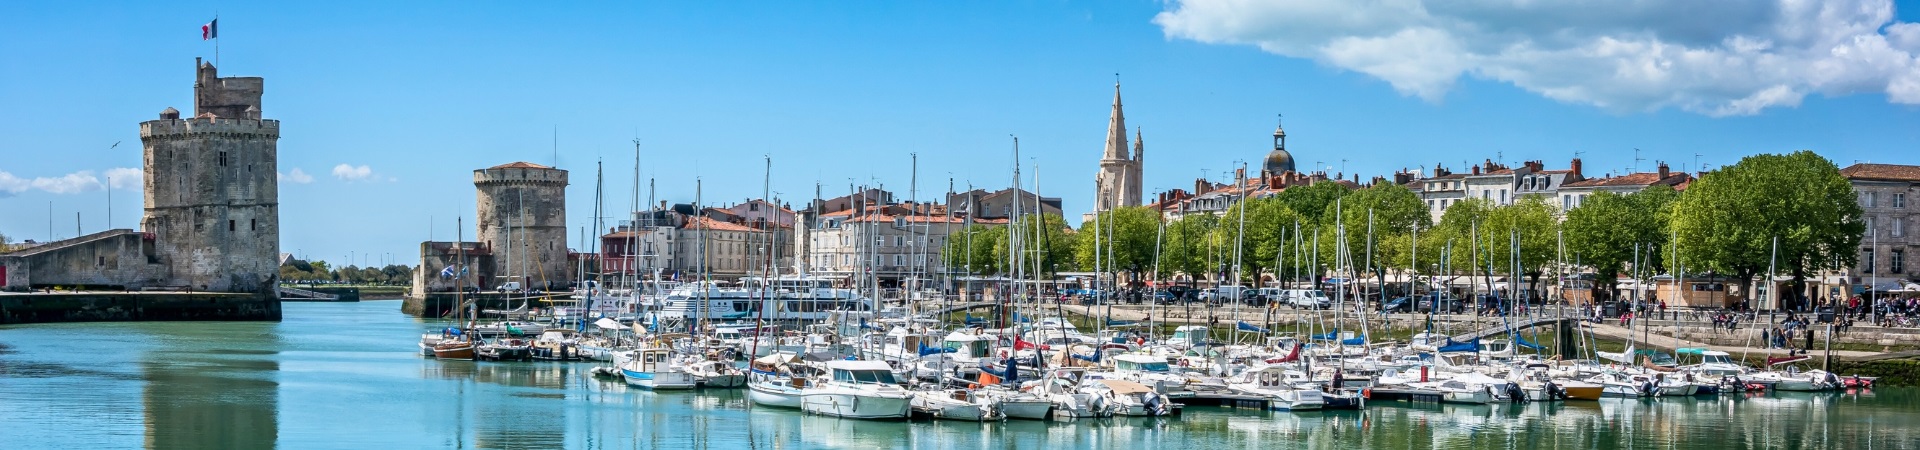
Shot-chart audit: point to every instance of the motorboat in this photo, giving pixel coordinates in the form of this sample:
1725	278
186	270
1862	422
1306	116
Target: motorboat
556	344
710	373
1152	371
955	404
1062	388
1456	390
1013	404
504	349
652	368
428	340
511	328
1272	383
1185	336
857	390
1128	398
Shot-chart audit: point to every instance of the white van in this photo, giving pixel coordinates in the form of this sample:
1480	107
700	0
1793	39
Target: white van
1306	298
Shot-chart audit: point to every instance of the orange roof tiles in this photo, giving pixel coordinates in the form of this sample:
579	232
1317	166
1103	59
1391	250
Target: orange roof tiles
1892	172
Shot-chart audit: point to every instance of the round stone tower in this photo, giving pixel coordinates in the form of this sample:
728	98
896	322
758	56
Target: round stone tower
523	220
212	198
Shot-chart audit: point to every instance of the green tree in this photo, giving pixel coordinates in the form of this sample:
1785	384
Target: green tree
1268	221
1527	227
972	250
1186	248
1051	240
1728	219
1124	240
1609	230
1314	202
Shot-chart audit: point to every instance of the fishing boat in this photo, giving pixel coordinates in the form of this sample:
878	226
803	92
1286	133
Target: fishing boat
652	368
857	390
505	349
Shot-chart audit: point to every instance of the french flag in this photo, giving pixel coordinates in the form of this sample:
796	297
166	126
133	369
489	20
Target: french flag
211	30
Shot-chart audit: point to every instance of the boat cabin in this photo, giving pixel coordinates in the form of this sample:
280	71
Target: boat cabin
861	372
1133	362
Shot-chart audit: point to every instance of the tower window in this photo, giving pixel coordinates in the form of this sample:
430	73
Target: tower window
223	159
230	225
253	224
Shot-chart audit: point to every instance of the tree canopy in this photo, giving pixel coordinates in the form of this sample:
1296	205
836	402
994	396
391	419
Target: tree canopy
1608	230
1728	219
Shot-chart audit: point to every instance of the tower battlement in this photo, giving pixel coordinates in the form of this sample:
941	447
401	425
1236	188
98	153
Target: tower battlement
209	127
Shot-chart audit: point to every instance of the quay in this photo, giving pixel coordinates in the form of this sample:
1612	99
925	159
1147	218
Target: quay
111	306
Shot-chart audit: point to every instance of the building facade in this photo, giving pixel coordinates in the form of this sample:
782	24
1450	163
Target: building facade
1887	195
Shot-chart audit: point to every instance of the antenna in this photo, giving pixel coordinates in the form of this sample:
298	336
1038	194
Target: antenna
1636	161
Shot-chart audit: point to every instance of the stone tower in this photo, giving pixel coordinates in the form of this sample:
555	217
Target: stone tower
212	196
523	220
1119	181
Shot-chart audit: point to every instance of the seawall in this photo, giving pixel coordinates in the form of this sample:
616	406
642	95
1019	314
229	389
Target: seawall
135	306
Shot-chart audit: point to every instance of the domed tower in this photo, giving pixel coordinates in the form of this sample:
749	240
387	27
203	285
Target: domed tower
522	210
1279	161
212	202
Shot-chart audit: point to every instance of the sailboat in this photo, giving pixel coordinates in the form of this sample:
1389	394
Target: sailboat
457	343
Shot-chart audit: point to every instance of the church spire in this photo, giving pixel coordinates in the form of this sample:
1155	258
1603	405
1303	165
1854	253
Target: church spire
1139	146
1117	127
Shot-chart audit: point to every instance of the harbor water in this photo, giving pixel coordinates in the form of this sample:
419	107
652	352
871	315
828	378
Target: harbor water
348	375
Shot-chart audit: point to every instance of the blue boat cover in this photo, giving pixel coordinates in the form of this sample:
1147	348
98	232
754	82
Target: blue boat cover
1456	346
1250	328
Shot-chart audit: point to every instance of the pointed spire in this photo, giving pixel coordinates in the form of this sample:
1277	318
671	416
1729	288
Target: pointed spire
1117	127
1139	145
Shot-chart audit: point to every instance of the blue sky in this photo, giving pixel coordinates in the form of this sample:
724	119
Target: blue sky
422	93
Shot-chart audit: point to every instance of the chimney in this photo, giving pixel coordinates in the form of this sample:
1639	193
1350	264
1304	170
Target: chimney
1535	166
1240	174
1476	170
1199	185
1663	170
1576	169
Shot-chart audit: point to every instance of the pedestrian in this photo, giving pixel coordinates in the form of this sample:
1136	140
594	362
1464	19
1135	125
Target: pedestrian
1766	337
1663	310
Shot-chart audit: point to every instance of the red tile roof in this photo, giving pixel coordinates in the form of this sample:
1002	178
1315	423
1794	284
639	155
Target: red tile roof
1636	179
520	165
710	224
1890	172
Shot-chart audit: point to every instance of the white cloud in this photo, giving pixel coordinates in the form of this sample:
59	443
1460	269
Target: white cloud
1713	58
126	177
351	172
73	183
298	176
11	185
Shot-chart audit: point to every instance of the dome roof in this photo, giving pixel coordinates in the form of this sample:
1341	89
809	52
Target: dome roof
1278	162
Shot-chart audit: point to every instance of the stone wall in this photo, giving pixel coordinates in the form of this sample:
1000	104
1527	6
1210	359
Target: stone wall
113	259
136	306
523	221
435	256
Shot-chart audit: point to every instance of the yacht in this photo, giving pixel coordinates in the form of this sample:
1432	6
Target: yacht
1127	398
709	373
789	298
955	404
1062	388
857	390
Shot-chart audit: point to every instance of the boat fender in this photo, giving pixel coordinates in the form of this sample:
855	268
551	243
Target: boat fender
1366	392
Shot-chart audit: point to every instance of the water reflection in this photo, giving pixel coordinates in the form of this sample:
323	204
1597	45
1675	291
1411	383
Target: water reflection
348	376
202	392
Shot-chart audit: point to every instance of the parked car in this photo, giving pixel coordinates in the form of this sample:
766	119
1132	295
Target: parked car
1165	297
1398	305
1305	298
1440	304
1225	294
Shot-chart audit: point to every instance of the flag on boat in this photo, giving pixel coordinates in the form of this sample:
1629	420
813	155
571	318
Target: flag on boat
210	30
446	272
